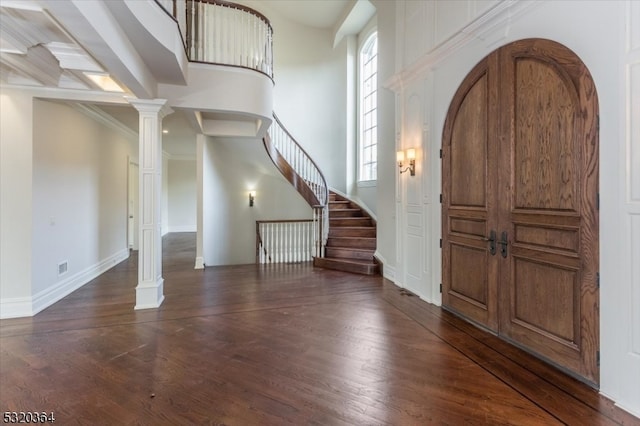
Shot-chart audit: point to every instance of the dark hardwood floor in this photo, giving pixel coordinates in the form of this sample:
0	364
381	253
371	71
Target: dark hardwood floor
274	345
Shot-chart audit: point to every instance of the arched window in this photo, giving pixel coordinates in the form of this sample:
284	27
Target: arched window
368	152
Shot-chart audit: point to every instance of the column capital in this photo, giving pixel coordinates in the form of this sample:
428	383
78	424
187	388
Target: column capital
151	106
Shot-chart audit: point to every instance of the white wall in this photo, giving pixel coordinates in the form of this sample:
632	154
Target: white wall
15	202
231	169
387	168
310	93
164	207
181	193
210	194
79	200
432	58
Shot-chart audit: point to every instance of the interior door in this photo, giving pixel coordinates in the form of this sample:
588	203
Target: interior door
132	210
538	157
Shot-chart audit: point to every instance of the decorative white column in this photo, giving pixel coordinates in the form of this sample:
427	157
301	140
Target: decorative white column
200	141
149	292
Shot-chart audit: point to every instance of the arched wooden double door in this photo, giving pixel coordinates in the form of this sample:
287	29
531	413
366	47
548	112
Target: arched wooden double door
519	206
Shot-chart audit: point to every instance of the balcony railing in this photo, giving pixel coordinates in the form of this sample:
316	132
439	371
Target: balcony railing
221	32
224	33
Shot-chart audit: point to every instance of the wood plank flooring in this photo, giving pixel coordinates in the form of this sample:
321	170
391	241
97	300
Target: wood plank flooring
274	345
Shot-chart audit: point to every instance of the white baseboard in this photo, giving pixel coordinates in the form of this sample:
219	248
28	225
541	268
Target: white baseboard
29	306
15	307
388	272
635	411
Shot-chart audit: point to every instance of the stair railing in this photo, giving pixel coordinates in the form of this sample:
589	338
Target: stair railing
284	241
304	174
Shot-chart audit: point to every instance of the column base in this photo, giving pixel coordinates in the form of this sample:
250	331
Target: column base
150	295
199	263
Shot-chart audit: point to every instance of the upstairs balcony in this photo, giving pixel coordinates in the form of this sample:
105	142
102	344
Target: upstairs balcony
210	59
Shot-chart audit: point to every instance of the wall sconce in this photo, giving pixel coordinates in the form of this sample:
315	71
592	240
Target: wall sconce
252	196
411	156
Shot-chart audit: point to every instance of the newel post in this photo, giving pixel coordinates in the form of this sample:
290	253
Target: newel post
149	292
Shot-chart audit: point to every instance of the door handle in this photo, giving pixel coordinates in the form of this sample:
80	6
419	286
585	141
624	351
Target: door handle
503	244
492	242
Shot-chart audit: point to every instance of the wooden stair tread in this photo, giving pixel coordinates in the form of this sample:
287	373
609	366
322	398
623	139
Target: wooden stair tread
364	267
352	239
353	261
349	253
352	242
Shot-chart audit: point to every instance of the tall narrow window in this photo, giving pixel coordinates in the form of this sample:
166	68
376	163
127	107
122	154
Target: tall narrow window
368	151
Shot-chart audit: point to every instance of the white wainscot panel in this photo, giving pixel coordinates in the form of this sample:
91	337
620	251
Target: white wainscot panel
418	30
633	26
633	138
450	16
426	221
148	198
147	260
413	119
414	185
414	222
413	139
414	259
635	282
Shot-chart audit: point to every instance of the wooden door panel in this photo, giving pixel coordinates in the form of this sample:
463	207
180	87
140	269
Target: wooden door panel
557	289
469	270
545	164
469	149
469	277
462	226
561	238
548	290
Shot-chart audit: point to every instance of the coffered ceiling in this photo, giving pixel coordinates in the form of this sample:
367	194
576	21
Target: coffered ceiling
36	51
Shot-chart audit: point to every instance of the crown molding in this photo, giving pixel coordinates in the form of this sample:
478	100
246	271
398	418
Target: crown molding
106	119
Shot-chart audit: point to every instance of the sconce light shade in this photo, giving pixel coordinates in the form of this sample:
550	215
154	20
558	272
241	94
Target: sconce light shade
411	156
252	196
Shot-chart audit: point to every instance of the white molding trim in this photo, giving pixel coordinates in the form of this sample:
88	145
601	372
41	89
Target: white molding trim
628	409
69	95
499	15
29	306
106	119
16	307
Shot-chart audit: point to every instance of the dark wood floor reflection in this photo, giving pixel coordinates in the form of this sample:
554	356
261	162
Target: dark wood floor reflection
274	345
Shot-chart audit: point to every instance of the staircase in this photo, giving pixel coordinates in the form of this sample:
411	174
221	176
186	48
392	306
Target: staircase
352	239
344	234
